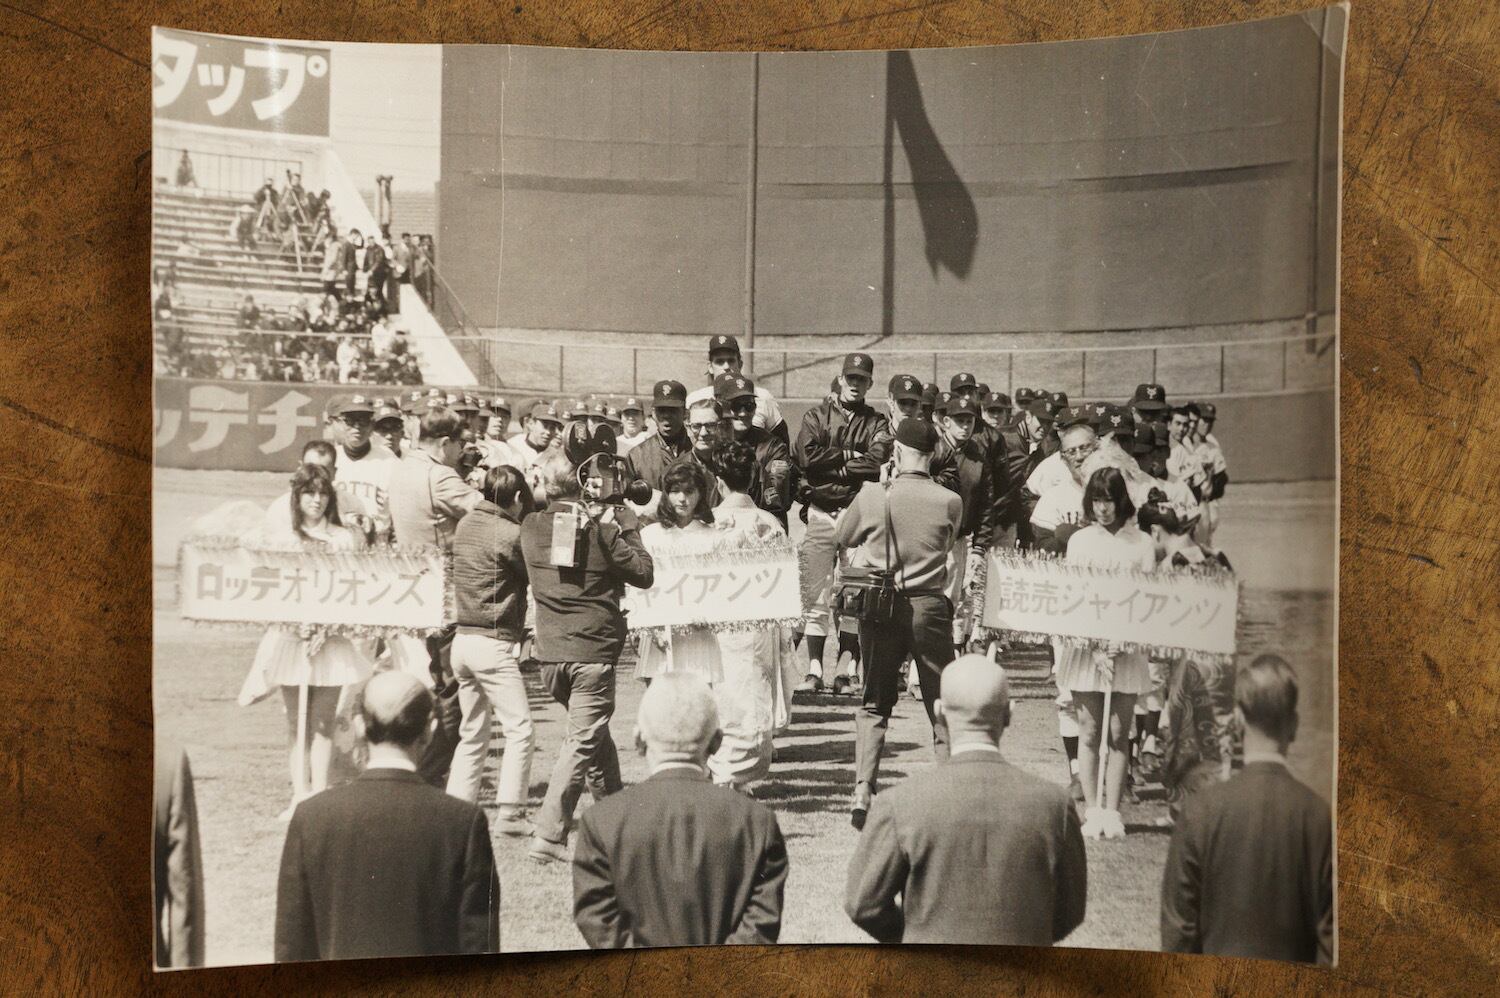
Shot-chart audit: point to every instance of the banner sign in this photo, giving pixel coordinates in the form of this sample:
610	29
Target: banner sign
263	86
724	587
1189	610
378	590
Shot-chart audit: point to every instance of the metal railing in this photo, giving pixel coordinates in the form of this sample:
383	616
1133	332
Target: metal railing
1253	366
222	173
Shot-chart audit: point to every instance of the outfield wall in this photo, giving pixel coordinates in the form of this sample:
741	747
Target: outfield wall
262	426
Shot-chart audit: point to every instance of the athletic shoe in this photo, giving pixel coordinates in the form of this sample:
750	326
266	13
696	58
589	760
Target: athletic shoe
1112	824
545	851
861	805
1093	823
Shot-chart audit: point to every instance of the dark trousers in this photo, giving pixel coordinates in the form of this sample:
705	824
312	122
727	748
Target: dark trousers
922	629
587	757
438	756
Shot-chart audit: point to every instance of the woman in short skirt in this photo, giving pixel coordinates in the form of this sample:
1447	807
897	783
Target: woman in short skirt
684	519
1110	539
325	662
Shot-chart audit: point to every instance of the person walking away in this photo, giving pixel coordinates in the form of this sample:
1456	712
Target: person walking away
676	861
580	632
387	865
1250	867
489	588
906	527
977	851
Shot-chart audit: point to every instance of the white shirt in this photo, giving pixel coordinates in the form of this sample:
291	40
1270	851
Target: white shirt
366	479
1050	471
1127	547
1062	503
974	747
624	444
767	412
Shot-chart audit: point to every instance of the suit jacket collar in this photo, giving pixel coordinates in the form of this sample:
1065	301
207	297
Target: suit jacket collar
385	773
964	758
678	773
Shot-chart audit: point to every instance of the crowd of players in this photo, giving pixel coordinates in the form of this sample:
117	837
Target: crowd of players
936	478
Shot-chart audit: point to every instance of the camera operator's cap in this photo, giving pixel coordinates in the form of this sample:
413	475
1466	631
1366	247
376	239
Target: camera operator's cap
386	412
959	405
668	395
1208	411
1075	415
944	400
1117	419
999	400
1024	397
1149	398
723	344
352	405
905	388
918	434
632	405
962	380
545	411
859	363
728	387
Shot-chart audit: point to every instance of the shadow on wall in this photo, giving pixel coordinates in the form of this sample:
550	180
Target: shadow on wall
950	222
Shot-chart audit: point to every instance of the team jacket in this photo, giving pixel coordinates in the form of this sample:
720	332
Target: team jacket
966	470
828	429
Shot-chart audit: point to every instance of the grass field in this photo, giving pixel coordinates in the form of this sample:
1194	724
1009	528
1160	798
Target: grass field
1281	540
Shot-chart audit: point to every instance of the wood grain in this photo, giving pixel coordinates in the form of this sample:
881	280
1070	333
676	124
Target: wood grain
1420	788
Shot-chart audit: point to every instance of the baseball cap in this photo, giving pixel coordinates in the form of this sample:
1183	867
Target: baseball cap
1098	411
500	404
1117	419
1059	399
962	406
352	404
461	402
598	407
999	400
1043	408
982	388
728	387
545	411
1149	398
944	400
611	415
632	404
1208	411
904	387
859	363
717	344
385	412
579	409
1074	415
917	434
930	394
1143	441
1024	397
668	395
962	380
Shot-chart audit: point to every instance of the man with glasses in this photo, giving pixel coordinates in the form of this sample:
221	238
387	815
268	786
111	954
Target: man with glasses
650	459
843	443
724	358
771	487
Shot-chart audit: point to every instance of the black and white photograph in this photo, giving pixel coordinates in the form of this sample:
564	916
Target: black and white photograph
610	499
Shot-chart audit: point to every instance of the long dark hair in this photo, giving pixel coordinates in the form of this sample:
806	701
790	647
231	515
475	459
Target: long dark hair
1107	484
313	478
685	473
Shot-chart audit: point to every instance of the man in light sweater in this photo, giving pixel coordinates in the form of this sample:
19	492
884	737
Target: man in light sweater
925	522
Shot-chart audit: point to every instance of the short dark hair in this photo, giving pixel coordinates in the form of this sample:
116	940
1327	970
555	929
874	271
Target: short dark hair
408	725
735	463
686	473
1266	693
320	447
441	422
504	485
1107	484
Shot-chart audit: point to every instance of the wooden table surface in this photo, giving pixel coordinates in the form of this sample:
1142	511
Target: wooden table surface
1419	794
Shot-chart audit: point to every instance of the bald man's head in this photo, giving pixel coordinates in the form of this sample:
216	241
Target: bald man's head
396	709
975	696
678	716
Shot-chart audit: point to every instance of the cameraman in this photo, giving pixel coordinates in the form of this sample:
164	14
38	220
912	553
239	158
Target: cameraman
577	582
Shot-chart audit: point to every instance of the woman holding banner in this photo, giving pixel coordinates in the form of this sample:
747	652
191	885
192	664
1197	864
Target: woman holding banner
684	525
759	670
311	668
1104	683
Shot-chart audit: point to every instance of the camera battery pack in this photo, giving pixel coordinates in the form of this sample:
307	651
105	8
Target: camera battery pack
567	526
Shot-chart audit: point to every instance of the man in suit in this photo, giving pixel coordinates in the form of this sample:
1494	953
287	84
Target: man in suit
974	850
178	870
1250	868
388	865
678	861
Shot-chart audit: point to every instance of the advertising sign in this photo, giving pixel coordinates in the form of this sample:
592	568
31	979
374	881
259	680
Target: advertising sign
262	86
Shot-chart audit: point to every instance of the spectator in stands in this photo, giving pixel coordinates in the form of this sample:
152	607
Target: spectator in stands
242	229
333	259
401	261
349	265
185	175
422	274
377	270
